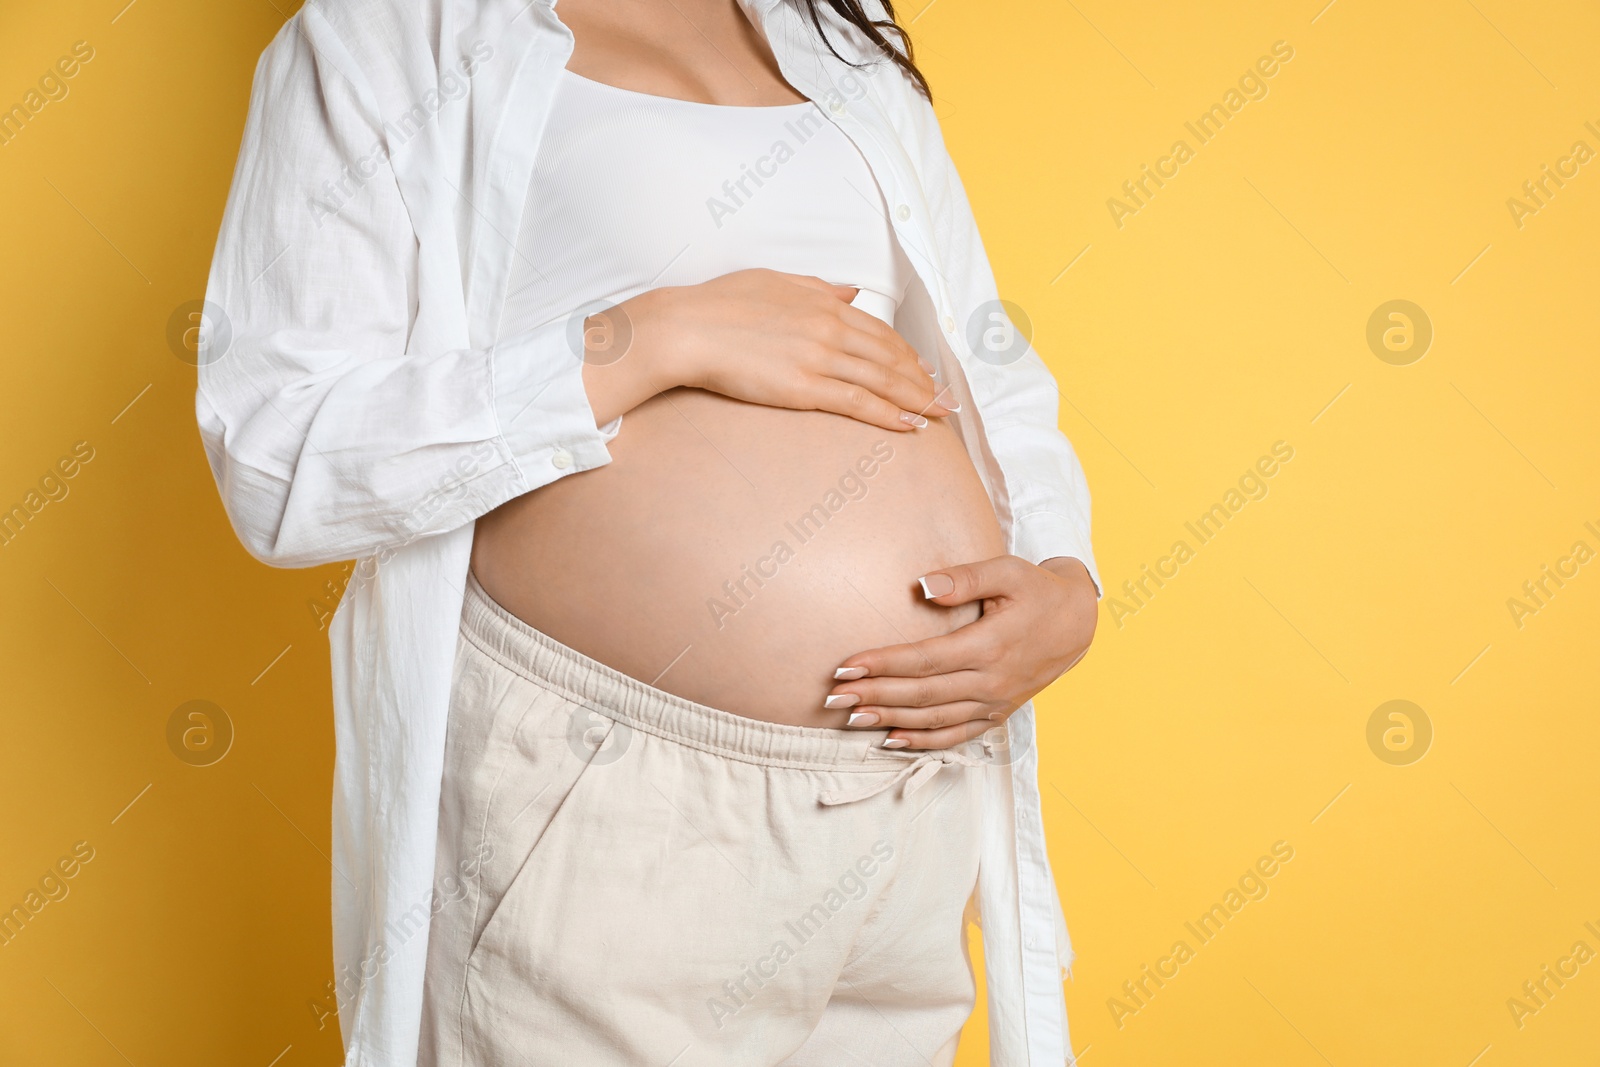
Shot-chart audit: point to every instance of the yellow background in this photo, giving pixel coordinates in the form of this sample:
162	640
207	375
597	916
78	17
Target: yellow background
1228	713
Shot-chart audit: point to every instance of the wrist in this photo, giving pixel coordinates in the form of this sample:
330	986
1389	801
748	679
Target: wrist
1081	610
1068	568
621	367
652	348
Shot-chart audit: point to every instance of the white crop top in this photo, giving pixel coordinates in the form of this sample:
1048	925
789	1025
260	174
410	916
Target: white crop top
632	191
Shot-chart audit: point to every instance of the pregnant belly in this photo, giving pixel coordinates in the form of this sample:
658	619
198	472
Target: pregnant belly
734	554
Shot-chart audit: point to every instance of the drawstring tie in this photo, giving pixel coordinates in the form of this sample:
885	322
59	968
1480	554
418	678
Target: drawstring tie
920	768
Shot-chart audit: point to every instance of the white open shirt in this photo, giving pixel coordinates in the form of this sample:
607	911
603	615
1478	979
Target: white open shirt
354	405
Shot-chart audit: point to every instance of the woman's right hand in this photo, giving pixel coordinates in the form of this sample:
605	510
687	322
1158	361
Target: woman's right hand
782	340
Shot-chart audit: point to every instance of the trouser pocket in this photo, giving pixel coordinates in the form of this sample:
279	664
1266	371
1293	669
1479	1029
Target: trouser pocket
678	900
550	753
515	751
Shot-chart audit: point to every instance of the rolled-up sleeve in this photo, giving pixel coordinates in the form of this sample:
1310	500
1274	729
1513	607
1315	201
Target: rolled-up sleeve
1049	496
332	434
1048	492
1018	398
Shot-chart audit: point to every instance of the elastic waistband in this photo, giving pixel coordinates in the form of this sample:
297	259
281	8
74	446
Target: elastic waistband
548	663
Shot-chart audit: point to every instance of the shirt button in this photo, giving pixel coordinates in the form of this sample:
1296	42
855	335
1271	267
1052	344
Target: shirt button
836	106
949	324
561	460
903	212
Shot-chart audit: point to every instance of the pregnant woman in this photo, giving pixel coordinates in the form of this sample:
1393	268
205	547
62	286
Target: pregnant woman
714	531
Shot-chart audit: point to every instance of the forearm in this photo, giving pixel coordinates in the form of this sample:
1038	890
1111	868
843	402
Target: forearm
321	456
616	388
622	366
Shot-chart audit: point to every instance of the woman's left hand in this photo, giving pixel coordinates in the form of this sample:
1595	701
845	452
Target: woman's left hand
1037	623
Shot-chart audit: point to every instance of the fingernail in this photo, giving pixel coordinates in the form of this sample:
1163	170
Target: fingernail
913	419
937	585
862	718
895	742
849	674
841	700
929	367
948	402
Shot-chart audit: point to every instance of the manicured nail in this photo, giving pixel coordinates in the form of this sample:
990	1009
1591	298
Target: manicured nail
929	367
895	742
849	674
841	700
911	418
937	585
862	718
948	402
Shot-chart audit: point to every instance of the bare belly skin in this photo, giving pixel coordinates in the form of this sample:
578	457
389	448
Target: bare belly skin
734	554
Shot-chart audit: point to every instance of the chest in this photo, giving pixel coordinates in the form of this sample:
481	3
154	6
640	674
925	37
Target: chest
629	191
